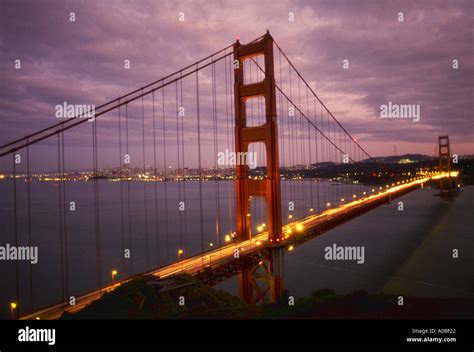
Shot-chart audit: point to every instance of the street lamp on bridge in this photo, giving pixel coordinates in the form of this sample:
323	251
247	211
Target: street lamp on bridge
114	273
12	310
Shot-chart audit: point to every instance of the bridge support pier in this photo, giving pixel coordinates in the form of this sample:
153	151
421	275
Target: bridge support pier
263	281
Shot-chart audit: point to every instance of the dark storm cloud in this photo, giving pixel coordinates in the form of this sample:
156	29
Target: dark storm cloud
406	63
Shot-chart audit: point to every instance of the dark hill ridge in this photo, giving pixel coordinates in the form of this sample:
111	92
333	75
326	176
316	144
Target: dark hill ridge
144	298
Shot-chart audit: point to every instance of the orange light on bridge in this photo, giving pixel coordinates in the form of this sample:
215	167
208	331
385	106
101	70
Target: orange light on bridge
290	248
328	204
259	228
342	199
180	252
12	309
354	196
299	227
263	225
227	238
114	273
311	210
290	216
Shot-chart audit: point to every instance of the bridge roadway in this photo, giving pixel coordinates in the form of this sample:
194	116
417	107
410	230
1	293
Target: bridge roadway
294	232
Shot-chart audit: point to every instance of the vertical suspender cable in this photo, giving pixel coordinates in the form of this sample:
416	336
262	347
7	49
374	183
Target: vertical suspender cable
232	115
309	152
346	184
28	177
60	213
165	176
147	261
15	222
96	203
180	199
281	126
130	242
66	261
199	160
216	149
318	200
300	142
121	190
292	139
228	124
155	183
183	166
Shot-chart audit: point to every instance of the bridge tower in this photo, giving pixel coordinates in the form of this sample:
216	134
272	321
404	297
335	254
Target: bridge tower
445	184
269	188
246	188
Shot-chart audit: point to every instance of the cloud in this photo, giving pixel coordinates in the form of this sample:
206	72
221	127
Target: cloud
406	62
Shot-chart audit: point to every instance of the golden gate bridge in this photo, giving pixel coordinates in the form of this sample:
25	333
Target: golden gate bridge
198	216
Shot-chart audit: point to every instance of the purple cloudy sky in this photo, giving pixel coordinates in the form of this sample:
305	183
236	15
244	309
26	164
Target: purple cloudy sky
406	63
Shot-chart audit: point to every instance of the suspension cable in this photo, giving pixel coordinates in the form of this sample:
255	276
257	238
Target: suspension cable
144	180
28	191
199	162
155	176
